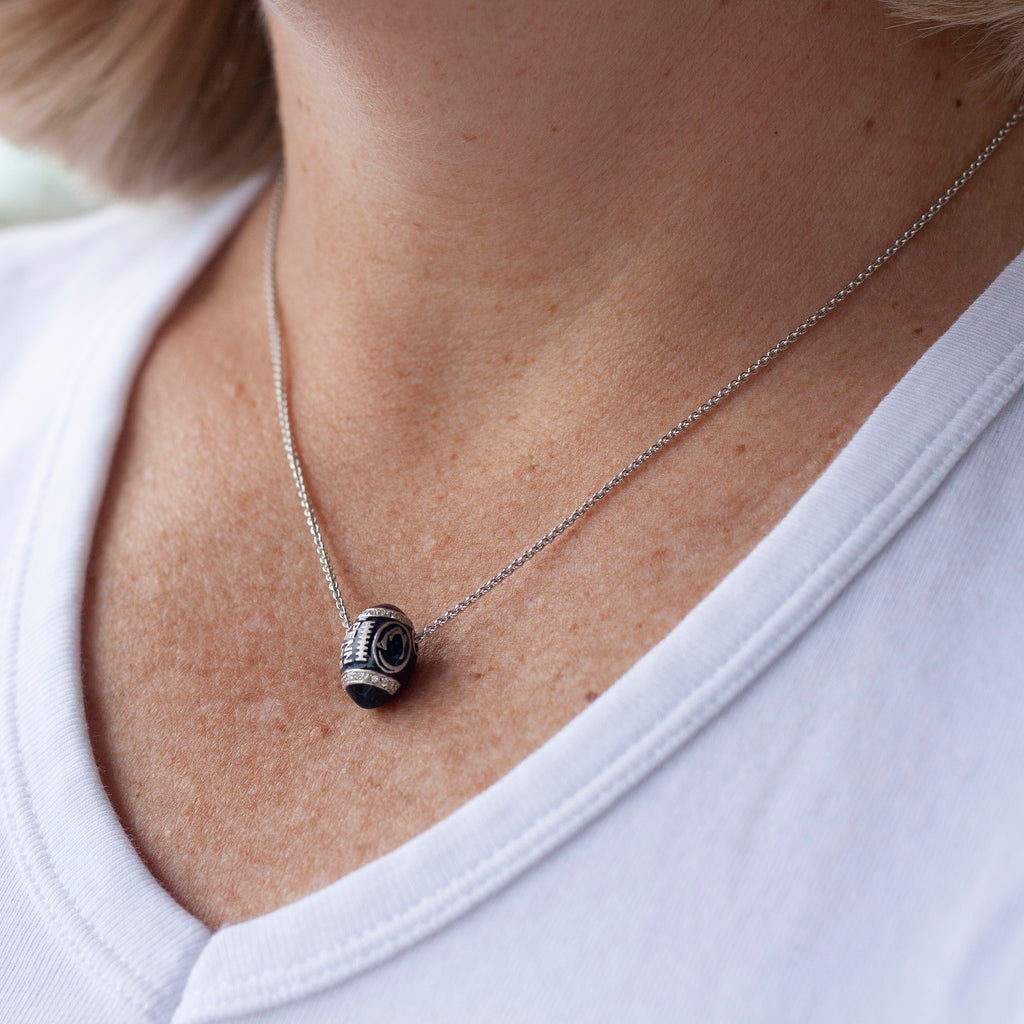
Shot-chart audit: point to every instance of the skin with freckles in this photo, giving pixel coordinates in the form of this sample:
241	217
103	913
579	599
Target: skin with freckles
519	241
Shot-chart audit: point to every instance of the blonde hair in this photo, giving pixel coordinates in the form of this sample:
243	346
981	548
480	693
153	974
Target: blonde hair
144	97
1000	23
140	96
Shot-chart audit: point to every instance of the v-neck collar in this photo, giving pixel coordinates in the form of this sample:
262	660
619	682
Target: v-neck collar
157	954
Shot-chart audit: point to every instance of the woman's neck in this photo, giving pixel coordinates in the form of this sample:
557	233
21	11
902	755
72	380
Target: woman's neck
468	180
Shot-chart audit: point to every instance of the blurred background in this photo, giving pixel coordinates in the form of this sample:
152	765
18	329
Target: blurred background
35	188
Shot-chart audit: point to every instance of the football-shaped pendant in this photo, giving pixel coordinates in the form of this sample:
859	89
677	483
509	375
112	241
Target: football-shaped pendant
378	655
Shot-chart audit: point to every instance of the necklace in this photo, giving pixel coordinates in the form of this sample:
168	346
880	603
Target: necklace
379	651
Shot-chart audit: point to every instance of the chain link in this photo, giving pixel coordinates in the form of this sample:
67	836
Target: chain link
628	470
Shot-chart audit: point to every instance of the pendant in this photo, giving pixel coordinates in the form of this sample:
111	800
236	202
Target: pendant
378	655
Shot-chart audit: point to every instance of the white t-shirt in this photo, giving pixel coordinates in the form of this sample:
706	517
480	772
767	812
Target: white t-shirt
805	804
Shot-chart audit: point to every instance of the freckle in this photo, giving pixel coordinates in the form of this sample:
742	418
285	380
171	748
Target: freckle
590	696
553	308
520	72
468	138
869	125
959	103
894	304
826	6
938	76
554	129
499	308
739	449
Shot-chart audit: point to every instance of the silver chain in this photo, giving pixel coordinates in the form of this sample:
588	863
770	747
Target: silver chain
648	453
